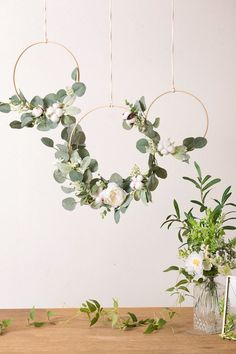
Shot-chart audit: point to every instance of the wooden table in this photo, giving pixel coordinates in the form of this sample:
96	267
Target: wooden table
76	336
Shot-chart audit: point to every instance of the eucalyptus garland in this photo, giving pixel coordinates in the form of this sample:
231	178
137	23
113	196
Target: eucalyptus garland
46	113
78	172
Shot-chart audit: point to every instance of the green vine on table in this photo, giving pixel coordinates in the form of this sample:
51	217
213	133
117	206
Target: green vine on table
95	311
32	316
4	324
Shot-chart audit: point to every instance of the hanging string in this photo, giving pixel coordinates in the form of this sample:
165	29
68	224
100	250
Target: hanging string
111	54
45	22
173	45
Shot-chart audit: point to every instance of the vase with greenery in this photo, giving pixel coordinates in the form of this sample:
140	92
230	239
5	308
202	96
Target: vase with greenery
205	250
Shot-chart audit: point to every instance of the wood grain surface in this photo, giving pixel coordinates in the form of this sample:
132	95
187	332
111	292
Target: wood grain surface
76	336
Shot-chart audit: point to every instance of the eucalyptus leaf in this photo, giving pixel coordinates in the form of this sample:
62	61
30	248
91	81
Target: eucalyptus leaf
156	123
116	216
37	102
116	178
93	166
68	120
125	125
69	203
152	182
15	124
160	172
142	145
72	110
75	176
26	121
59	176
75	74
5	108
48	142
50	99
61	95
67	189
85	163
79	88
200	142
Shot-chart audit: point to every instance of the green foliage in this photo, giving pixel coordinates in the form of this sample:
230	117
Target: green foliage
79	89
48	142
32	319
95	312
4	325
203	233
69	203
5	108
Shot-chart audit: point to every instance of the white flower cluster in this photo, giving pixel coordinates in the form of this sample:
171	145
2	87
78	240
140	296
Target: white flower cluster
166	147
137	182
55	112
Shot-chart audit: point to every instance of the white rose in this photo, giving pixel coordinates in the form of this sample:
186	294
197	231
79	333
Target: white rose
37	112
113	195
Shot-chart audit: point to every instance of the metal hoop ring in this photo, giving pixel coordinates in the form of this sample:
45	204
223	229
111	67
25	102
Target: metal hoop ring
91	111
187	93
38	43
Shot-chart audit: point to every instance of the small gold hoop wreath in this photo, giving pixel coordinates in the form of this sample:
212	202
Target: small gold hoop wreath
39	43
189	94
89	112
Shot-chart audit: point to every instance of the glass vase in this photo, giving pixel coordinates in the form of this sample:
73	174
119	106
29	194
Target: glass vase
207	313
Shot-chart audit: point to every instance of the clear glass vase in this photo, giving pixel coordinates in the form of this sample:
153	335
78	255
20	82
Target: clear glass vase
207	315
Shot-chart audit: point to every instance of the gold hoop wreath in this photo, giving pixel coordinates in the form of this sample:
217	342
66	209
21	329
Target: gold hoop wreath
185	93
78	172
45	113
43	43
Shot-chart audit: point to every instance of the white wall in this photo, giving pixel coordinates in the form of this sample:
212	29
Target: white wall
50	257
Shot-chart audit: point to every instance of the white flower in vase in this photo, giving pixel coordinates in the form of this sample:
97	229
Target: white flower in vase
137	182
166	147
194	264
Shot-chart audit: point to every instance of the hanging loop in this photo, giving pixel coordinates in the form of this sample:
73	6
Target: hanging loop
186	93
40	43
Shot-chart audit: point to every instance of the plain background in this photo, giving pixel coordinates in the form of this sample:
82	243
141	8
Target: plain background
50	257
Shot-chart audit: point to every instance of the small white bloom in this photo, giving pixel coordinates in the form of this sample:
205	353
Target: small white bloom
113	195
194	264
37	112
137	182
50	111
166	147
59	112
56	105
54	118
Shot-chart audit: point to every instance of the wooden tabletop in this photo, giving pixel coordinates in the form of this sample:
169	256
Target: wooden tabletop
75	336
